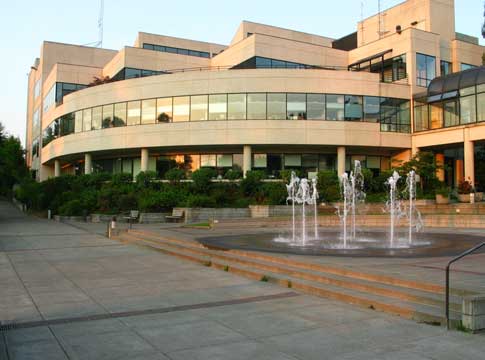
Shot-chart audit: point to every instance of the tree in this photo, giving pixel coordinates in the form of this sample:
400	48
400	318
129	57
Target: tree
12	162
424	164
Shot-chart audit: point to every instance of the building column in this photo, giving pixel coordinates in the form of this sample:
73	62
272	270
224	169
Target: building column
469	157
340	160
88	166
57	168
144	160
440	161
458	175
247	159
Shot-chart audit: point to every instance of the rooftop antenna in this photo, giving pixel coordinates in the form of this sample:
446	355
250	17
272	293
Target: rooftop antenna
380	15
99	43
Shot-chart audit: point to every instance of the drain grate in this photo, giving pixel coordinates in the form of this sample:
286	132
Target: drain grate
32	324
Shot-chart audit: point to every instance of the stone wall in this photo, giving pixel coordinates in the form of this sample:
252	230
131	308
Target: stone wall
194	215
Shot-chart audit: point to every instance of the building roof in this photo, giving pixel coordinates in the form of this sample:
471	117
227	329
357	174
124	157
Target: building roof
455	81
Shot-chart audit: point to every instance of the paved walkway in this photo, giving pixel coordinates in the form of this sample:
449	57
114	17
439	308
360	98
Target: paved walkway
78	295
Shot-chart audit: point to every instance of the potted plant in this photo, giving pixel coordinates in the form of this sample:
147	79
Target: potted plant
442	195
464	190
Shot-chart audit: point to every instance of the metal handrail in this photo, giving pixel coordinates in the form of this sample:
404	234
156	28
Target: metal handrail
447	303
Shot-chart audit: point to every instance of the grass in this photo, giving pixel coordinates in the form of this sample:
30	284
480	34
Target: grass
202	225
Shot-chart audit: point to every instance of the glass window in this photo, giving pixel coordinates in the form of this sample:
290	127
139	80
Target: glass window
198	107
132	73
274	163
467	110
353	107
37	88
315	106
183	51
50	98
296	107
236	106
335	107
445	67
224	160
119	118
436	115
181	108
36	121
467	91
170	49
292	160
208	160
481	107
373	162
78	121
421	118
278	64
276	106
107	116
164	110
133	117
326	162
426	69
309	162
256	106
262	62
464	66
451	114
148	110
86	119
97	118
480	88
66	124
217	107
259	161
371	108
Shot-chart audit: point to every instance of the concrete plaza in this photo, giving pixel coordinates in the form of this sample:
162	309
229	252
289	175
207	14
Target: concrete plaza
70	293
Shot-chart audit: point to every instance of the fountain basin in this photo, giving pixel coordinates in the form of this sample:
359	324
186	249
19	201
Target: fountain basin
367	244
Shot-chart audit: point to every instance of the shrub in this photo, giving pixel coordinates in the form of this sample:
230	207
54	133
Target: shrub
175	175
275	193
29	193
443	190
202	179
225	194
251	184
199	200
328	185
128	202
464	187
71	208
233	174
286	175
144	178
156	201
122	178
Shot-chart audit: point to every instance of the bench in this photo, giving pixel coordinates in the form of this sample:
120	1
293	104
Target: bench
132	216
177	214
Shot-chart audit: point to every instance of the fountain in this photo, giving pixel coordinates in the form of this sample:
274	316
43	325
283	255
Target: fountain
393	206
414	216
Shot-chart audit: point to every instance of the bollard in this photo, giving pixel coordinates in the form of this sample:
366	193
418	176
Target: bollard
49	214
472	198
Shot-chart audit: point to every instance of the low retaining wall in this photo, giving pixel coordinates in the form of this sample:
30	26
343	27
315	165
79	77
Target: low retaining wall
193	215
473	316
149	218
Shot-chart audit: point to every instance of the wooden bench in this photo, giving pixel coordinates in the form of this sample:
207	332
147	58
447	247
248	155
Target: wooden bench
177	214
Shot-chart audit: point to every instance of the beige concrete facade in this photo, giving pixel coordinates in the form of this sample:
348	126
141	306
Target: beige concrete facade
314	65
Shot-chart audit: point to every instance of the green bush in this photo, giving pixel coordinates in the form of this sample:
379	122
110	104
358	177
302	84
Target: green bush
157	201
199	200
202	179
274	193
251	184
122	178
233	174
144	178
71	208
128	202
328	185
286	175
175	175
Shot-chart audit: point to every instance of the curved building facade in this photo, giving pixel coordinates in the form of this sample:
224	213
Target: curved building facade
273	99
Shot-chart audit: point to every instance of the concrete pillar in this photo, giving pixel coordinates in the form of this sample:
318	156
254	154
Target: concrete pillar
57	168
469	157
459	176
88	166
247	159
440	161
144	160
340	160
414	150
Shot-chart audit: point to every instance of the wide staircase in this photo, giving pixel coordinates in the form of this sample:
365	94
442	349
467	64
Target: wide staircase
420	301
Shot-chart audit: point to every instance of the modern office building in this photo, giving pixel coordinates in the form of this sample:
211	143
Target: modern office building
272	99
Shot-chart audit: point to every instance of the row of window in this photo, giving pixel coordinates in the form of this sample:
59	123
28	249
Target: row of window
468	108
174	50
259	62
56	93
426	68
271	163
393	114
131	73
390	70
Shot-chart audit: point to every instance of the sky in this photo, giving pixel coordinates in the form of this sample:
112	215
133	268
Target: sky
24	24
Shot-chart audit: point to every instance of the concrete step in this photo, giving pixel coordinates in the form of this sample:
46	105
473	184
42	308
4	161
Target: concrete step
320	268
408	309
391	291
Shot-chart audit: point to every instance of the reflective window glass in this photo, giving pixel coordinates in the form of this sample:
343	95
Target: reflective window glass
464	66
296	107
445	67
36	121
132	73
436	115
133	113
426	69
181	108
467	91
148	111
481	107
236	106
316	106
208	160
107	116
262	62
119	118
218	107
353	107
256	106
451	114
371	108
97	118
467	110
276	106
335	107
86	119
78	121
198	108
292	160
259	161
50	99
37	88
164	110
421	118
224	160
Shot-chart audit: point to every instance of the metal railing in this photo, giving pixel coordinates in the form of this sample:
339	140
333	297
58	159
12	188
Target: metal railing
447	301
